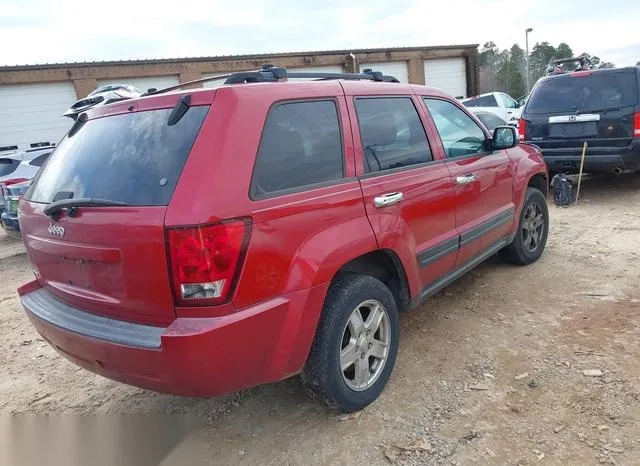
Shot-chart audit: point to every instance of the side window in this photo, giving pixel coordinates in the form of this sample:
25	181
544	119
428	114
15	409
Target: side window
460	135
484	101
301	146
39	160
392	133
507	101
491	121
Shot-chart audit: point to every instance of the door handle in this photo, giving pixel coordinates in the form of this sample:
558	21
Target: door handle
388	199
465	179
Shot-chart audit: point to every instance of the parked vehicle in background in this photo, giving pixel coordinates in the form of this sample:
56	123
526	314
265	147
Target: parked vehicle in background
521	101
18	166
498	103
103	95
599	107
268	229
9	216
490	120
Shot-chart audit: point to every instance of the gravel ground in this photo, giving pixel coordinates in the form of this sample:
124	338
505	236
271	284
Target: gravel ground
490	371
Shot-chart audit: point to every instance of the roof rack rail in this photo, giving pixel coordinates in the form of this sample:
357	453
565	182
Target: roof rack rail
557	66
270	73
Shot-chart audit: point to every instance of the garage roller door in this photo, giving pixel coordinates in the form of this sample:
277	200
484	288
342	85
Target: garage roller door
145	83
447	74
31	113
390	68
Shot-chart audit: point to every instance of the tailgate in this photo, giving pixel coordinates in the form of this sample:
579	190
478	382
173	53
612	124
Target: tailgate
110	260
597	107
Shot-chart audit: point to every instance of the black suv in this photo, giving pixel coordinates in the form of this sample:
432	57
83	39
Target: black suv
600	107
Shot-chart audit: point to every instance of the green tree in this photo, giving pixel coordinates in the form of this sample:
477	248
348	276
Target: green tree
563	51
539	58
488	61
509	78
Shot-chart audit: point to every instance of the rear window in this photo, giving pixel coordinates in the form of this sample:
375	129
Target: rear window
584	93
134	158
8	166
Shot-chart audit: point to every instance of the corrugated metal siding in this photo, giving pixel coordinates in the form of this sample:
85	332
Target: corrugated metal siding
143	83
33	112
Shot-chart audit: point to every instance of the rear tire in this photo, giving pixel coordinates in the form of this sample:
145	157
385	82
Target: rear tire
533	230
356	343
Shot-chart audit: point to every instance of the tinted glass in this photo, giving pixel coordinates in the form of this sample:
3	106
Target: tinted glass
460	135
39	160
484	101
8	166
134	158
491	121
392	133
301	146
584	93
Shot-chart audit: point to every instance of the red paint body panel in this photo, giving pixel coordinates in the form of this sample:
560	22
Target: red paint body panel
113	261
202	357
490	195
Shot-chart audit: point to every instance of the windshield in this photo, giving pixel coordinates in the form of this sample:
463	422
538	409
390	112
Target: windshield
584	93
135	158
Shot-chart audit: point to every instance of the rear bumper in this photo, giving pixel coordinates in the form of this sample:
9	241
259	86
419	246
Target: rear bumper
191	357
597	159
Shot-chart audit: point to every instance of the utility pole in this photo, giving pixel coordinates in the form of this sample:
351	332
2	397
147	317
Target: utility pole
526	39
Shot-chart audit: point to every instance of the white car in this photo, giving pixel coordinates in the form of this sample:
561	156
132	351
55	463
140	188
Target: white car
16	167
498	103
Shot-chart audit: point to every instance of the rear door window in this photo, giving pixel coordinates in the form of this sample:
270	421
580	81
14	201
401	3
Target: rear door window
301	147
392	133
134	158
484	101
581	93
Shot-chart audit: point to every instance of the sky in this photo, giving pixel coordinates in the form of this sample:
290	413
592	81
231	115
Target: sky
47	31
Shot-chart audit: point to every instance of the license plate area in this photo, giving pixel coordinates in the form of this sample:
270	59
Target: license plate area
573	130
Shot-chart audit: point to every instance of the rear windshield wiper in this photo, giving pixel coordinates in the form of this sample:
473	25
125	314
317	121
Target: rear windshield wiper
53	209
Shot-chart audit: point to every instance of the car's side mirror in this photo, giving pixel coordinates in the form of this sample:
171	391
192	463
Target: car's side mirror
504	137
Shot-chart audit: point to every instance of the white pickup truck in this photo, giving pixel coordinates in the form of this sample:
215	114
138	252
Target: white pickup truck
497	103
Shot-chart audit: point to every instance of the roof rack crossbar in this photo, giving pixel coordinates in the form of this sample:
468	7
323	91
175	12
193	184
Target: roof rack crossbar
273	74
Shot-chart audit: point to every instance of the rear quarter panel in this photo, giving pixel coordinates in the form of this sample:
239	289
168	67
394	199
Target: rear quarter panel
299	240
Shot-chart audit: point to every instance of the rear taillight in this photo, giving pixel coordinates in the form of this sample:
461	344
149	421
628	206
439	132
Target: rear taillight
522	129
14	181
206	260
636	124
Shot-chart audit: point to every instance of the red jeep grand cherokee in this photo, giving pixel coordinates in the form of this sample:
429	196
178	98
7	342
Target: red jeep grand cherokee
202	241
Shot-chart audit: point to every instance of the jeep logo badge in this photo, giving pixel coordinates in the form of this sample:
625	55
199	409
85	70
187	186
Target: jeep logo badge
56	230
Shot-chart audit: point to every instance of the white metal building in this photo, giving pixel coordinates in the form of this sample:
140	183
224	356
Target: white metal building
33	98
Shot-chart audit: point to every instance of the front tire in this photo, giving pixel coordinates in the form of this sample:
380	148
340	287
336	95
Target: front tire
533	230
356	343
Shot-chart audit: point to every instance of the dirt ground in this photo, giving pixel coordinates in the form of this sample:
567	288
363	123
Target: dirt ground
490	371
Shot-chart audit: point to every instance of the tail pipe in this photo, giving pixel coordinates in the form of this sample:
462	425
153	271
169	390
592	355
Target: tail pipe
618	171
